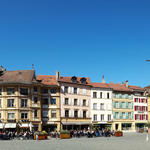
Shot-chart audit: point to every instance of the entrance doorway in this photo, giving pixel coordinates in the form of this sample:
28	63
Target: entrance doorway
116	126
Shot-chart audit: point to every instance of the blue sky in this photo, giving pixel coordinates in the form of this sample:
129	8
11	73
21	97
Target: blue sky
78	37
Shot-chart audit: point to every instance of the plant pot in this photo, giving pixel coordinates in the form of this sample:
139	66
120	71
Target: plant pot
118	133
40	137
64	136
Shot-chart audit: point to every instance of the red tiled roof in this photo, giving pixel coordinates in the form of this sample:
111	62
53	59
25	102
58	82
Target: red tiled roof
100	85
17	76
136	87
47	79
69	80
119	87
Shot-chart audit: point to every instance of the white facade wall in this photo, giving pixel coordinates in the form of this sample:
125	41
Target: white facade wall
140	104
107	105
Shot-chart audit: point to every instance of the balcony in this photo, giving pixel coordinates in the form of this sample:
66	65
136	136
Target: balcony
11	120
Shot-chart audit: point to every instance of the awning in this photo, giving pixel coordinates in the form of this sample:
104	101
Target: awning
76	123
7	125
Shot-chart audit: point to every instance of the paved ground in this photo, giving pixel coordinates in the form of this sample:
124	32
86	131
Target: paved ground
130	141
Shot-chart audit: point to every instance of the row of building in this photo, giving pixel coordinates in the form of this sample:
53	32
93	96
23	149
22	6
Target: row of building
54	102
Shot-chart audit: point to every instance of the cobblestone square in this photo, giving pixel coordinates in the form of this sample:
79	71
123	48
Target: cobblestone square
130	141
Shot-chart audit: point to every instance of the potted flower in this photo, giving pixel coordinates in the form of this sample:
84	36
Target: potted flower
118	133
64	134
41	135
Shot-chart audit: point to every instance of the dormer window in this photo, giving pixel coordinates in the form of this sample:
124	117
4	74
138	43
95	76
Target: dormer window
83	80
74	79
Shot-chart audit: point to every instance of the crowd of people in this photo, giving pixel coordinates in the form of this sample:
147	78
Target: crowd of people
86	133
27	135
9	135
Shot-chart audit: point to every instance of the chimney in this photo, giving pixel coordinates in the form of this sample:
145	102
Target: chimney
57	75
126	83
103	80
32	66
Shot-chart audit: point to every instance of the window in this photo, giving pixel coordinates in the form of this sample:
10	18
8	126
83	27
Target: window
24	115
0	116
95	117
45	101
114	95
11	115
76	113
117	115
35	99
66	89
66	113
94	94
95	106
136	100
137	117
144	117
35	89
74	79
120	95
123	105
84	114
35	113
126	96
108	96
75	91
101	95
10	91
45	114
83	80
129	115
130	105
109	117
0	91
102	117
75	102
84	91
23	91
44	91
101	106
123	115
24	102
10	103
117	105
66	101
84	102
53	101
53	91
53	114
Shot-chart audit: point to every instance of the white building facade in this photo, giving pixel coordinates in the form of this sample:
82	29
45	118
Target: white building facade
101	105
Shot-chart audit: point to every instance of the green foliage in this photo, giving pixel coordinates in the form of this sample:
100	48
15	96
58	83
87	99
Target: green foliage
64	132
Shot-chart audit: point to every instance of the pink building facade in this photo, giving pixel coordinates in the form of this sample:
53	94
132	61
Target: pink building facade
75	102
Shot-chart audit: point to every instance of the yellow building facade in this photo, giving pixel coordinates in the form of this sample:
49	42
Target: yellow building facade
20	104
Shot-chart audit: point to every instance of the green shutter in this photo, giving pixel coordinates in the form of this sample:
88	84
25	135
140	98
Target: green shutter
120	115
114	95
132	116
126	104
114	115
132	105
114	104
127	116
120	95
120	104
